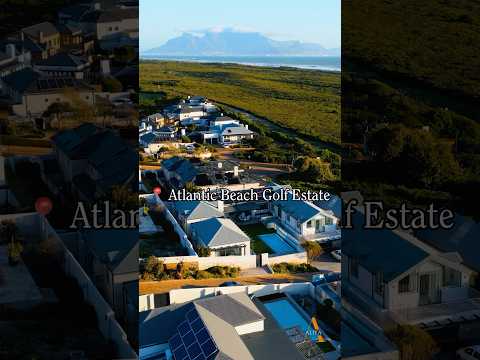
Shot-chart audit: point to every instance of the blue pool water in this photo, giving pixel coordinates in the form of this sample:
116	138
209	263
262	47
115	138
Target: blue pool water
276	243
287	316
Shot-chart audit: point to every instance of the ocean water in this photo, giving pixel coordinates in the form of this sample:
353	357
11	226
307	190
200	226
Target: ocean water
325	63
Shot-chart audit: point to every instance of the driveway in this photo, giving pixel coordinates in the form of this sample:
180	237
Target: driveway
326	263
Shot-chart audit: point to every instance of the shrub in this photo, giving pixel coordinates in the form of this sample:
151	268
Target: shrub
413	342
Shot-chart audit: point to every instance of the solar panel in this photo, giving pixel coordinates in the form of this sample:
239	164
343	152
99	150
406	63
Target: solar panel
194	350
175	341
200	357
209	348
189	339
183	328
197	325
203	336
192	315
180	353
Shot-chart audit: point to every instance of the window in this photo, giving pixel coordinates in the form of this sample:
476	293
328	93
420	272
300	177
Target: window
328	221
404	285
452	277
116	28
309	224
378	283
46	100
110	28
353	266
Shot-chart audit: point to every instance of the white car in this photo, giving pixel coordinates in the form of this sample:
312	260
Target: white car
337	254
469	353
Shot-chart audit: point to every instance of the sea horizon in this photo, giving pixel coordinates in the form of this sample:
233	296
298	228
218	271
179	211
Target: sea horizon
320	63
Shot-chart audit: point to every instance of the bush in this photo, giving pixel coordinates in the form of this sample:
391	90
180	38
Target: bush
287	268
203	251
413	342
111	84
313	249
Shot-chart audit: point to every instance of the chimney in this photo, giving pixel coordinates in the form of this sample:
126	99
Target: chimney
105	66
40	36
183	132
179	106
97	6
235	171
10	50
220	206
246	127
221	114
219	165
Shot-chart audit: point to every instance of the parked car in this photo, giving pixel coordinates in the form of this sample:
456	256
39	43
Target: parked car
229	283
337	254
122	101
469	353
327	277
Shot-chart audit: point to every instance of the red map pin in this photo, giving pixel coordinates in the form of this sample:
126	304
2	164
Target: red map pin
157	190
43	205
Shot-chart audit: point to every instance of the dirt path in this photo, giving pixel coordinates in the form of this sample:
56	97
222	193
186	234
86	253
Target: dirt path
158	287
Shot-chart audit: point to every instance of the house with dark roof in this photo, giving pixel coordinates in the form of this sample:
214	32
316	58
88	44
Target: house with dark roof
230	326
111	260
63	65
395	278
304	220
32	92
178	171
222	236
45	34
93	160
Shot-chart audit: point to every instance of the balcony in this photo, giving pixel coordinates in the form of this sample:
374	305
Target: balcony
457	304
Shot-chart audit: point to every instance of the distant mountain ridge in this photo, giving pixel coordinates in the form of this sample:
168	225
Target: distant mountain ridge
234	43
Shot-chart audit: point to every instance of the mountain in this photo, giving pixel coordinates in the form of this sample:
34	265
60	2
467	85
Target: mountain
234	43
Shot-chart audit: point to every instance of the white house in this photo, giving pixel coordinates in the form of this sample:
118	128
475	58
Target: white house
399	278
304	220
189	212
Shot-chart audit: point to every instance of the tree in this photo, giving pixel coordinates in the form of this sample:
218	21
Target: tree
412	342
313	249
313	170
203	251
57	109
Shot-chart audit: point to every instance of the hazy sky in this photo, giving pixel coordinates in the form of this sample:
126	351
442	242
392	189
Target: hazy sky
316	21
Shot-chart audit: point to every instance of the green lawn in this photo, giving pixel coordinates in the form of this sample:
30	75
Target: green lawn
302	100
253	230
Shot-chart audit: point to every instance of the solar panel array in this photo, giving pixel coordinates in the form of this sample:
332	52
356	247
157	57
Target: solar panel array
192	340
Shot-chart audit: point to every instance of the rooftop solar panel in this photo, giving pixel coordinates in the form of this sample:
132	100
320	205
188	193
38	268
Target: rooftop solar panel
209	348
192	315
180	353
175	341
183	328
203	336
194	350
189	339
197	325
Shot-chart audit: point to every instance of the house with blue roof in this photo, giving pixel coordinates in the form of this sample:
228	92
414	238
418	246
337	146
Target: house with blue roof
222	236
189	212
304	220
394	277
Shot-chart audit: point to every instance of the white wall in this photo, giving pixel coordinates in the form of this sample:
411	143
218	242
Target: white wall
180	296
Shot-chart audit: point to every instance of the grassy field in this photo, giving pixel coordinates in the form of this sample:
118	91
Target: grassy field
302	100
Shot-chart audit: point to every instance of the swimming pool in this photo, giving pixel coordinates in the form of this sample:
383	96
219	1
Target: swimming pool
276	243
287	316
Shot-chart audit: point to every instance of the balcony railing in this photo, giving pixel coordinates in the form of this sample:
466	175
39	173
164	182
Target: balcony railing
464	306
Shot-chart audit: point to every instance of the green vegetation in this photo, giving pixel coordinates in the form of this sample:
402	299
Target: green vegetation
154	269
302	100
290	268
313	249
432	41
413	342
257	245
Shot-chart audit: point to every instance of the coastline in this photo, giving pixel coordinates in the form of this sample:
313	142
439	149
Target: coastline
211	60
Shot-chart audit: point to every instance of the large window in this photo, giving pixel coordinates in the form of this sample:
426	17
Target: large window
452	277
405	285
